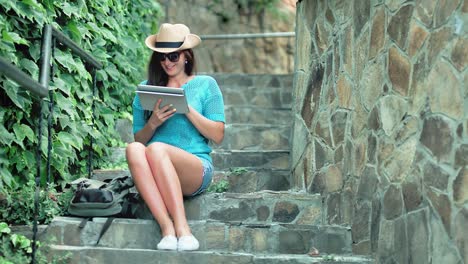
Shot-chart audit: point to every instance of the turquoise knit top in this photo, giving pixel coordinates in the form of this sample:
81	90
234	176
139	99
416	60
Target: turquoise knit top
203	94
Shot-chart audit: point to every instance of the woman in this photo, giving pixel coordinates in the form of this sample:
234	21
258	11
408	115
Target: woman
170	156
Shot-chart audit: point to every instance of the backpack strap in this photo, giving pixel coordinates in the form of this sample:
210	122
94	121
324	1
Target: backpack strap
84	221
106	226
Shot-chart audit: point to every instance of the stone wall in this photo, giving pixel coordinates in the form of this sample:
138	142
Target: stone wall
254	56
381	123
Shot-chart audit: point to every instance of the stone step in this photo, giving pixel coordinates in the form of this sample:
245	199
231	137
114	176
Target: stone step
272	159
243	180
212	235
263	207
271	81
258	97
255	137
240	180
227	159
257	115
93	255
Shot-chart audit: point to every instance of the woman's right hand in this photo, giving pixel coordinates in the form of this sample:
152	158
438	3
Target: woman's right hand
160	115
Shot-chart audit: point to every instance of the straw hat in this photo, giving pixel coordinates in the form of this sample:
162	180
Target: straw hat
172	37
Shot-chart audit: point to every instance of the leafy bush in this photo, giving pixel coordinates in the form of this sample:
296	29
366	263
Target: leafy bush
218	187
16	248
113	32
19	206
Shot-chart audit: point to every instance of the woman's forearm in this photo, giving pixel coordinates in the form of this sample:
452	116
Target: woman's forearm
145	134
210	129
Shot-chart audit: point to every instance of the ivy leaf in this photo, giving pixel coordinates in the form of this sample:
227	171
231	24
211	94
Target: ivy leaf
23	131
66	105
68	9
4	229
13	38
108	35
73	29
62	85
112	71
15	93
68	139
31	67
66	60
6	138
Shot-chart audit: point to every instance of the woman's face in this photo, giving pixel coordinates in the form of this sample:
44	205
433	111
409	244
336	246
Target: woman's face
173	63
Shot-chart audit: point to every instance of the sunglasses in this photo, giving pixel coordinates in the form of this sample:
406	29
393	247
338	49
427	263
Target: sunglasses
173	56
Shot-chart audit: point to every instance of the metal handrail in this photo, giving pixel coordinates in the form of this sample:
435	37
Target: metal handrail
50	36
250	35
12	72
74	47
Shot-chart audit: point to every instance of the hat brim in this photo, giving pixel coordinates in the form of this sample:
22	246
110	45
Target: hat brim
191	41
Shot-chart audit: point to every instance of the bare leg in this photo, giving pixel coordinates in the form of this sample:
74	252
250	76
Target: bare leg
146	186
176	172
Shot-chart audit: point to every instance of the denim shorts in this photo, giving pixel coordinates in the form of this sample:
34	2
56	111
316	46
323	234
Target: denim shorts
207	176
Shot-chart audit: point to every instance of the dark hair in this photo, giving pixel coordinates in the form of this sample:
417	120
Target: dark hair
157	75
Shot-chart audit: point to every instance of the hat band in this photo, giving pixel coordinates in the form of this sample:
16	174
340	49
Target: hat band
168	44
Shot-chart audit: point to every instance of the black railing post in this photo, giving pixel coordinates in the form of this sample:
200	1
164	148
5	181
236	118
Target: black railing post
90	153
51	114
44	74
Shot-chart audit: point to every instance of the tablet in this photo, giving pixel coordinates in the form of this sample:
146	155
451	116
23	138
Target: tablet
149	95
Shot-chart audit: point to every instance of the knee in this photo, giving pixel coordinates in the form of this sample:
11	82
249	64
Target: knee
135	151
156	150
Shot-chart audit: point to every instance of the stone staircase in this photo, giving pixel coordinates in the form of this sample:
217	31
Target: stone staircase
259	219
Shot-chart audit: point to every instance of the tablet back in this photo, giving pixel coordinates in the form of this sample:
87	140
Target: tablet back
149	95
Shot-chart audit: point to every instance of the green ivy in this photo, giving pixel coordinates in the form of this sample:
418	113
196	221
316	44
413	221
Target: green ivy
16	248
112	31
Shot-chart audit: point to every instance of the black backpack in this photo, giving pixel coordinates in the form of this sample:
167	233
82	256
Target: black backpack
94	198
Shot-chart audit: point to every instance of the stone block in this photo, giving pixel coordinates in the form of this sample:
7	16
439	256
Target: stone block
339	121
242	212
435	176
292	242
412	195
378	36
418	236
425	11
344	92
237	239
371	86
329	180
417	37
285	212
460	186
461	155
446	91
361	15
442	247
459	233
392	202
215	237
437	136
361	222
398	27
367	184
438	42
399	71
260	240
444	11
311	215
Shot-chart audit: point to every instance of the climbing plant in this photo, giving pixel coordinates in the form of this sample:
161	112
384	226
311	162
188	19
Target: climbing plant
244	7
113	32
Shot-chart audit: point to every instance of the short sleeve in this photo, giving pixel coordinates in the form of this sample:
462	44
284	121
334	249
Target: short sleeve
214	105
138	115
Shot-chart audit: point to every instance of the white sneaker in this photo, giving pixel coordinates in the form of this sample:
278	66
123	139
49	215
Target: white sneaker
168	243
187	243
